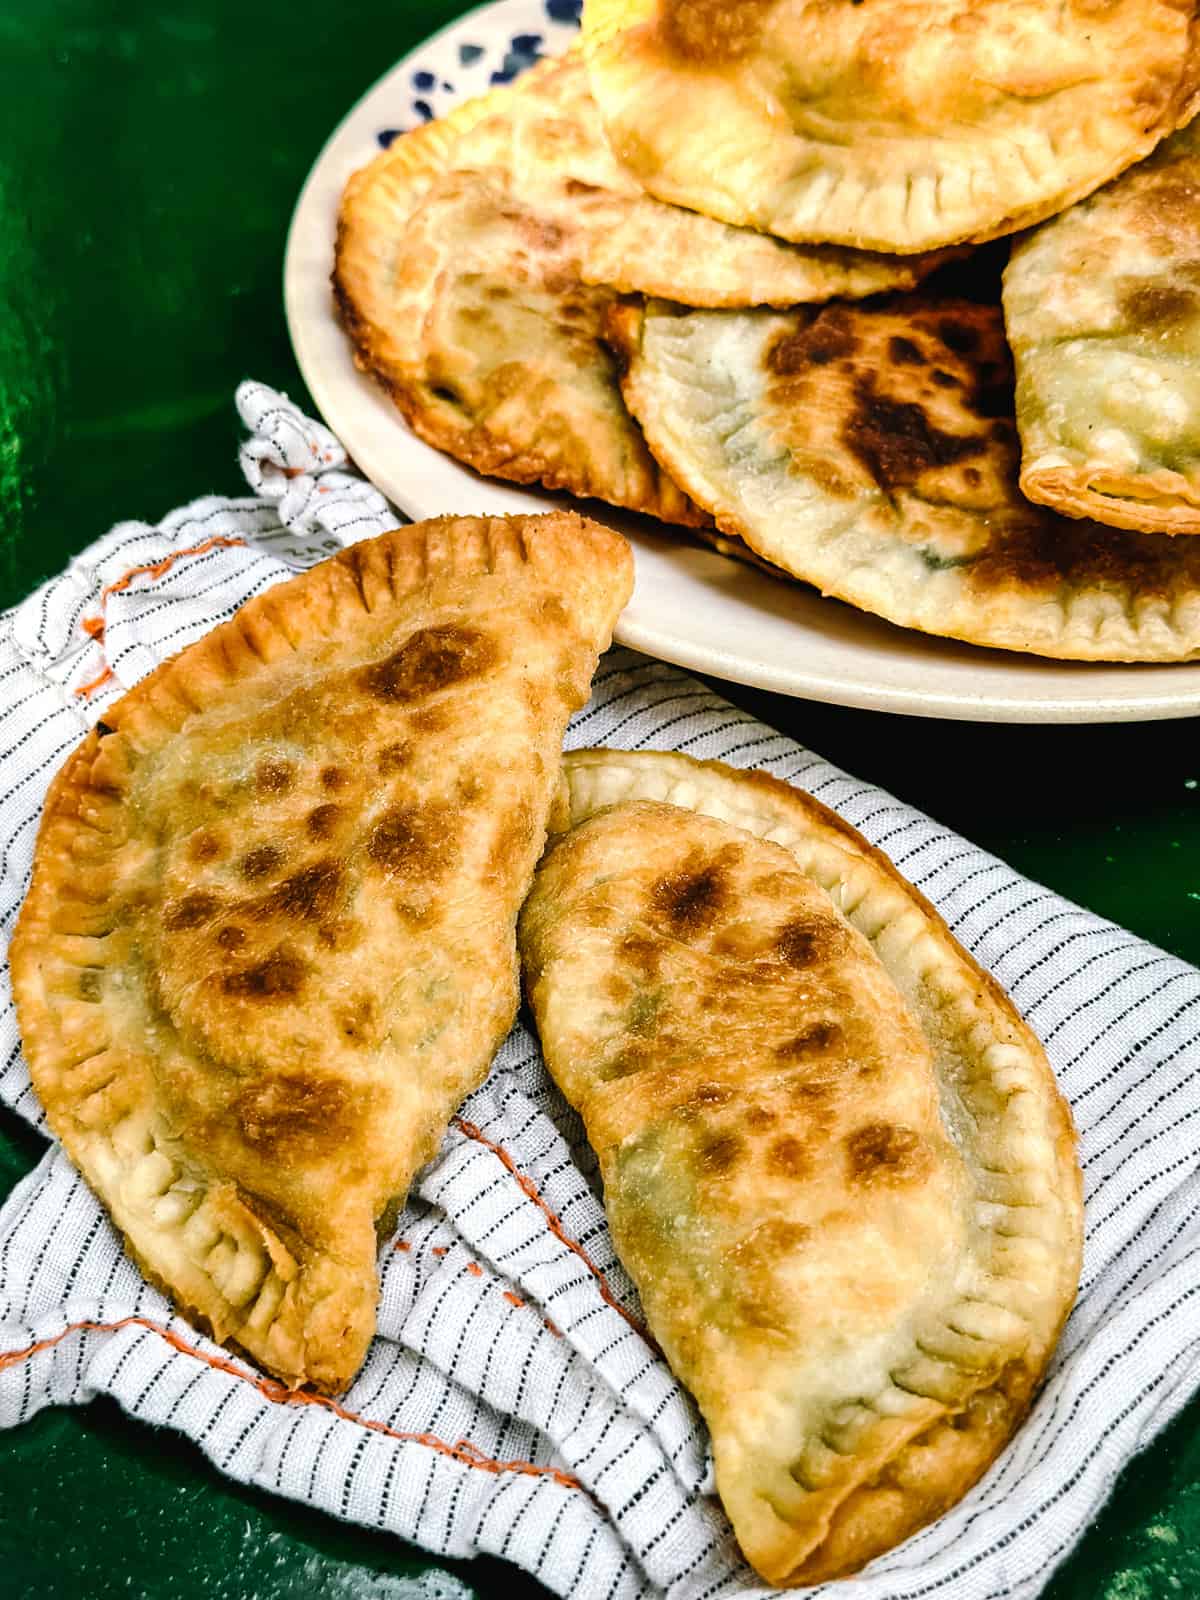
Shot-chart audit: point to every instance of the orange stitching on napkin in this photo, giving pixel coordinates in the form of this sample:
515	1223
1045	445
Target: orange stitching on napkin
154	570
402	1244
159	569
94	626
464	1451
475	1269
88	689
529	1188
521	1305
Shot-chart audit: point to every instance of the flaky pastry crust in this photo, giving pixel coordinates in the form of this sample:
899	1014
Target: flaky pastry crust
1102	310
835	1160
270	939
871	450
893	125
545	147
470	310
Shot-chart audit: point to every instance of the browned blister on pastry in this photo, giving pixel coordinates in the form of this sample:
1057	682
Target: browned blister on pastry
471	310
835	1161
891	125
1102	309
872	451
270	939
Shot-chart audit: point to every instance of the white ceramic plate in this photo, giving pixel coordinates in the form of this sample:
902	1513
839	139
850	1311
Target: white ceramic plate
690	606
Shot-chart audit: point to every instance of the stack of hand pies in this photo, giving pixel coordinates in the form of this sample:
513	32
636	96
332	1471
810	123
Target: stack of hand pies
728	264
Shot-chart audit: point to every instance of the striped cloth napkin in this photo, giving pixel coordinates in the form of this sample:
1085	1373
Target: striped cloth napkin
511	1402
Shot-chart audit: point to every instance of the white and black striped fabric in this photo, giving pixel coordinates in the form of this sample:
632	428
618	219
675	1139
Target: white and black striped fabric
511	1402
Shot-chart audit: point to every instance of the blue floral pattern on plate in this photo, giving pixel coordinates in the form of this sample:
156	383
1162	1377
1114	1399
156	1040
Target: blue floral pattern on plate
480	52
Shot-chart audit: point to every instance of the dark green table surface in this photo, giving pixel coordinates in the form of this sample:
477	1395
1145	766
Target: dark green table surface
148	165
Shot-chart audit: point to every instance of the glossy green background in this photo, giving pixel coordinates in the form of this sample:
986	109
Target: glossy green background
148	165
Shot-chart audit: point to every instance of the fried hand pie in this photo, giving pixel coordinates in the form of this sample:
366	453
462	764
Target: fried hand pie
269	943
545	145
835	1161
1102	310
470	310
871	450
893	125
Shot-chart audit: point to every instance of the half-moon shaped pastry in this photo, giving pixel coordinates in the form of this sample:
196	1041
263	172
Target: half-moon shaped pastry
544	144
270	939
893	125
872	451
471	312
835	1161
1102	309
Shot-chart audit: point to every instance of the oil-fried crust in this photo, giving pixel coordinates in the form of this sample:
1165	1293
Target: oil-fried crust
985	116
270	939
545	146
1102	309
469	309
835	1159
871	450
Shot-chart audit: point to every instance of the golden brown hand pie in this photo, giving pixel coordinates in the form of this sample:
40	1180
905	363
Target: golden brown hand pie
835	1161
270	939
890	125
543	144
1102	309
470	310
871	450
